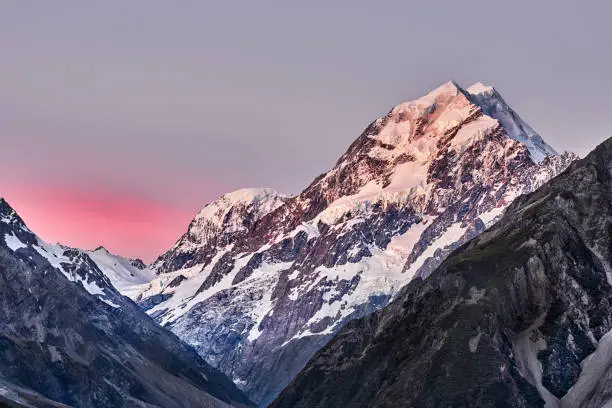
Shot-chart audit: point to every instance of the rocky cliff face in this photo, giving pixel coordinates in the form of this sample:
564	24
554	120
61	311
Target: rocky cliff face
68	337
519	317
261	281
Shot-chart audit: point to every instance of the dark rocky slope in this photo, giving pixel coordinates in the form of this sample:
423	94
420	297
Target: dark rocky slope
508	320
66	336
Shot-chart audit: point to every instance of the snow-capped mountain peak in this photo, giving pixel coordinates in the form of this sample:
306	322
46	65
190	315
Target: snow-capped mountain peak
101	249
9	217
75	264
219	224
260	201
449	104
446	90
261	280
480	88
393	158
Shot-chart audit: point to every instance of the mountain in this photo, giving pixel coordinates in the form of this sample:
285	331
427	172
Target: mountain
261	281
218	225
125	274
68	337
519	317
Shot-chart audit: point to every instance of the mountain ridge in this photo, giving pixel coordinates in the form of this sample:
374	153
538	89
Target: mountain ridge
417	183
68	336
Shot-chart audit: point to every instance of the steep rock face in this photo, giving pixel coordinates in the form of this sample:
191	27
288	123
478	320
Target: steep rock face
259	300
68	337
519	317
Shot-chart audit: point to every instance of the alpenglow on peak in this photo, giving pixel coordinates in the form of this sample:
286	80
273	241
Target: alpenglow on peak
452	99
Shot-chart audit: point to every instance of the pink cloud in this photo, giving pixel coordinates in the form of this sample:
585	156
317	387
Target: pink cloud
124	223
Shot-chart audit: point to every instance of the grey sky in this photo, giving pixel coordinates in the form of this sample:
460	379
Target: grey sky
180	101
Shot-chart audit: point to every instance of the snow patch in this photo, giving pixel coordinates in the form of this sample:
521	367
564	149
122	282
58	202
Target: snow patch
475	295
473	342
480	88
124	276
381	274
108	302
450	236
13	242
594	367
526	347
491	217
264	307
55	354
185	298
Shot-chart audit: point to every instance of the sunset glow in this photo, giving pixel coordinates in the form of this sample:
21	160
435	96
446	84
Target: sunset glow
126	224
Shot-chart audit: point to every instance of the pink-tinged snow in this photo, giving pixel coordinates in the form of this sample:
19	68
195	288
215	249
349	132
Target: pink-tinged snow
490	217
263	200
446	108
480	88
213	218
408	180
472	132
447	90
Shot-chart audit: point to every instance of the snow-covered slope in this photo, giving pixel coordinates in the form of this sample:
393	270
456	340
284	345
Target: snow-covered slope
257	289
126	275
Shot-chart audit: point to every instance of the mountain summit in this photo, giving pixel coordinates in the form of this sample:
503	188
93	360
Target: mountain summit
261	281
